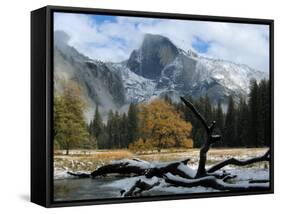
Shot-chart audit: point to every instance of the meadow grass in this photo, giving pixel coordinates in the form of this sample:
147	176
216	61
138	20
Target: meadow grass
89	160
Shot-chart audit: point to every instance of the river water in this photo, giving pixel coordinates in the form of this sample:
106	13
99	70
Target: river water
83	189
69	189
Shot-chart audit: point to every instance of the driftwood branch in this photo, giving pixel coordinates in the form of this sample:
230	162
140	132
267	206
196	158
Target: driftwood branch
236	162
136	167
176	174
213	182
139	187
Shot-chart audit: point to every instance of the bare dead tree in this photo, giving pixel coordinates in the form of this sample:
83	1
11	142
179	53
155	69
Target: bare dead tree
211	138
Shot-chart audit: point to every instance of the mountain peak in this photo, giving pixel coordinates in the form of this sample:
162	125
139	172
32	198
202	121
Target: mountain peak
154	54
157	41
192	53
61	37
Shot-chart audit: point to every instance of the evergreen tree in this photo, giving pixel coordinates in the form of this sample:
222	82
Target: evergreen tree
253	111
207	109
168	99
242	123
116	130
59	121
230	125
69	126
110	130
219	117
198	132
124	131
267	114
132	123
96	128
263	106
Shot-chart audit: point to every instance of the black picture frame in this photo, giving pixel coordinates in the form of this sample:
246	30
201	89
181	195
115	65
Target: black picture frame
42	102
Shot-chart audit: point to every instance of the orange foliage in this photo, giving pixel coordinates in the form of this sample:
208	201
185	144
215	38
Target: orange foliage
162	127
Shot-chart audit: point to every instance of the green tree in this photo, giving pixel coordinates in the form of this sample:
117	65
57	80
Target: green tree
230	124
263	115
219	117
253	111
207	109
267	126
242	123
132	123
199	135
116	130
96	128
69	126
124	131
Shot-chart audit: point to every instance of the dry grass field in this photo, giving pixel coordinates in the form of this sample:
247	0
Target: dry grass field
89	160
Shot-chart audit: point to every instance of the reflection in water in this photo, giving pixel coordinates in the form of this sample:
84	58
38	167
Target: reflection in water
105	187
83	189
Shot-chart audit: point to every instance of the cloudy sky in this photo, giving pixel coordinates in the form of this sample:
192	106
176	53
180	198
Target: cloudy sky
112	38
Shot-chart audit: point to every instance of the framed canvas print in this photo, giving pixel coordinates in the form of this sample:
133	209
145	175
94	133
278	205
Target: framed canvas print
140	106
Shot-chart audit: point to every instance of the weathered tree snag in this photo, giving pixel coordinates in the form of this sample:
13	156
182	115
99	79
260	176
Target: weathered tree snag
79	175
201	171
213	182
136	167
138	188
119	168
259	181
234	161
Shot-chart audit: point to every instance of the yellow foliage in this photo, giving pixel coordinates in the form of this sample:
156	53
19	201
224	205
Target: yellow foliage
162	127
141	145
187	143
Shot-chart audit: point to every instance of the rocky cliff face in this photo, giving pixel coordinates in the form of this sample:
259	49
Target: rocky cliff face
99	85
154	54
157	68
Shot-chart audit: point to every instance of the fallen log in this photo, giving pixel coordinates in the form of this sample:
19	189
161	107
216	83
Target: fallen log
236	162
213	182
138	167
139	187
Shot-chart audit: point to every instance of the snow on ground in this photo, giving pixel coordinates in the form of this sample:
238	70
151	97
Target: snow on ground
71	187
243	177
60	174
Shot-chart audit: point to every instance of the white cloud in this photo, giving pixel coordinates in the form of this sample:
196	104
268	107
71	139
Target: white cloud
113	40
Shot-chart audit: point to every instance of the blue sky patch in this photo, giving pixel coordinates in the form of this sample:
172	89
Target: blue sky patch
200	45
99	19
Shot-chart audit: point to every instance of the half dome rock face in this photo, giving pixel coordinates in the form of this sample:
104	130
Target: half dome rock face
156	69
154	54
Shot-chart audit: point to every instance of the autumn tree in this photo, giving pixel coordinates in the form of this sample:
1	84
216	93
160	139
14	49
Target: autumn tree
162	127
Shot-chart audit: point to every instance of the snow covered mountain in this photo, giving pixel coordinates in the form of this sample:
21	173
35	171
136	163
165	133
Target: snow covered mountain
157	68
99	85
